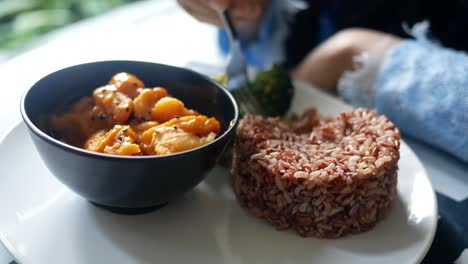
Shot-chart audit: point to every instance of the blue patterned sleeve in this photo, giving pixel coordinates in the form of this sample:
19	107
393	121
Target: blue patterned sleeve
423	89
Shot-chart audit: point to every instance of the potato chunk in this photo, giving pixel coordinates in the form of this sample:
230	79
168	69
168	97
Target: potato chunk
146	100
167	140
119	141
179	134
127	84
199	125
167	108
177	141
117	105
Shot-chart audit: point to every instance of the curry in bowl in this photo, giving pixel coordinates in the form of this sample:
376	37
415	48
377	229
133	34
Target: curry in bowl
124	117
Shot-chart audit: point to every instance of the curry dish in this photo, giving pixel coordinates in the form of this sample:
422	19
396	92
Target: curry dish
124	117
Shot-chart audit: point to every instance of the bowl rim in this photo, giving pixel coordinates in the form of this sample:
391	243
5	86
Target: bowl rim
83	152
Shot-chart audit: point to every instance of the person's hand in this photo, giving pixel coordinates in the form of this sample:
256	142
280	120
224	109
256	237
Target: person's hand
246	14
326	63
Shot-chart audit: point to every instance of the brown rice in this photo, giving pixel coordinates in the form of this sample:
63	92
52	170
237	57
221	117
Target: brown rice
324	177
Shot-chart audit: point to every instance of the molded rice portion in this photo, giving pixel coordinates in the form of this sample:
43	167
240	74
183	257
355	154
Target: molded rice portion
324	177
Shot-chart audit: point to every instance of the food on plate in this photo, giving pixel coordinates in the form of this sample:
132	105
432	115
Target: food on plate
324	177
124	117
127	83
272	88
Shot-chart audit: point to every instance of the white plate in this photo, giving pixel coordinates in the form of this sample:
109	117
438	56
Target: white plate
41	221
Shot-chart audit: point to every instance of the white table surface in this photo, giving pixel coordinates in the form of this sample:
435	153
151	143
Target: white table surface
159	31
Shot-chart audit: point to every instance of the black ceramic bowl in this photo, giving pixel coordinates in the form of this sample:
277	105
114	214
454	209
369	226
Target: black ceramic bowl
128	184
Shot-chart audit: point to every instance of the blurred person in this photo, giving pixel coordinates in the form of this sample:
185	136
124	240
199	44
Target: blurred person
364	51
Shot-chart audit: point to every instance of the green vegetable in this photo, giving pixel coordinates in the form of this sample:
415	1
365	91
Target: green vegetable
274	90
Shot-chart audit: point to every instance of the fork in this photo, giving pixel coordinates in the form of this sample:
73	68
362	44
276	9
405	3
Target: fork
236	71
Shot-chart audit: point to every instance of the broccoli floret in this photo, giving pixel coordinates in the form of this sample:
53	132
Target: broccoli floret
274	90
